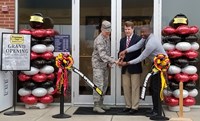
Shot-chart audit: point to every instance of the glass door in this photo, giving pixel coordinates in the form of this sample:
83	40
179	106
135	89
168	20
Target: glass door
87	16
91	14
140	12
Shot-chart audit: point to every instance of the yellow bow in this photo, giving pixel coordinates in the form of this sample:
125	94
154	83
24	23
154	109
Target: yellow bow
161	63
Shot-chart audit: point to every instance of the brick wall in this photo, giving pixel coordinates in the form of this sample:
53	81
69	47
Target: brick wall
7	19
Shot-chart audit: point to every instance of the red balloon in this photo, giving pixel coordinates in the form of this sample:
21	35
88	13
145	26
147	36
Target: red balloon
171	101
22	98
181	77
194	29
29	99
46	99
183	30
25	31
51	76
189	101
174	53
47	55
39	33
191	54
193	77
50	32
168	30
34	55
23	77
39	77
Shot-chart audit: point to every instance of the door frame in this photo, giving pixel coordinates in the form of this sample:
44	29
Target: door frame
75	48
88	99
116	12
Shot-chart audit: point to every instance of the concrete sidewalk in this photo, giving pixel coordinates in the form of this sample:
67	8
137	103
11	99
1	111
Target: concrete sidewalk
47	113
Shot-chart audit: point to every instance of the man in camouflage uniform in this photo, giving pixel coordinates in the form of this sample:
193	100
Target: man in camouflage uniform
101	61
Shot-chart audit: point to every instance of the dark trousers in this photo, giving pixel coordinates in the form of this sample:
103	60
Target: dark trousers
155	86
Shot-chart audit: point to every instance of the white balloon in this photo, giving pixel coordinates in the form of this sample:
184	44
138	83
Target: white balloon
193	93
167	92
36	105
50	48
24	92
176	93
33	71
39	92
47	69
195	46
174	69
183	46
50	90
168	46
177	108
39	48
189	69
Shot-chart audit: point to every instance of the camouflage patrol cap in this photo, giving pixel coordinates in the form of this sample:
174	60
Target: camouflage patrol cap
106	25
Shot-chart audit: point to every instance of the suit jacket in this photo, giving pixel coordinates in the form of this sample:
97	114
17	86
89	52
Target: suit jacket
133	68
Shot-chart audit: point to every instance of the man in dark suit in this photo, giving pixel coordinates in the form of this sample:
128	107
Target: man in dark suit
131	73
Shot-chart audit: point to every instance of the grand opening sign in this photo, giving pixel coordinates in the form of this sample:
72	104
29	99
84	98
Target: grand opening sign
16	49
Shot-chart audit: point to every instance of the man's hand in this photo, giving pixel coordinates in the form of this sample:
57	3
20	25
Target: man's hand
122	54
110	65
115	62
122	63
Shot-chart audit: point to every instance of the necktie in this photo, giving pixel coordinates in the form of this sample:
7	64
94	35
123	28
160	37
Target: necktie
128	41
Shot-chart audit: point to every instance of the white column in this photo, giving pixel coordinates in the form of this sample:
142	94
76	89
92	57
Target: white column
75	46
157	17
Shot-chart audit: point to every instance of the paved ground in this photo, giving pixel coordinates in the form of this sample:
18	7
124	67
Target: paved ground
47	113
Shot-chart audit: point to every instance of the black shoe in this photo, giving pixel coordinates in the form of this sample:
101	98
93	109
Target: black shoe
133	111
159	118
126	109
149	111
151	114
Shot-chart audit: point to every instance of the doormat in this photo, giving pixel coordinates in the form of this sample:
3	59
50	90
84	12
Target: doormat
112	111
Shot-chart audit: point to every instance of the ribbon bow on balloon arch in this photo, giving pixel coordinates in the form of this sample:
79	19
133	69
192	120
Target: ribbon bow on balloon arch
161	64
64	62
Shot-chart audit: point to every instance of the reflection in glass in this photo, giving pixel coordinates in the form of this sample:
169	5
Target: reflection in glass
140	12
92	13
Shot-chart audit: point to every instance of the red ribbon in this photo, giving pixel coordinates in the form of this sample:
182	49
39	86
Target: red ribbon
64	63
61	80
